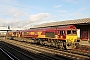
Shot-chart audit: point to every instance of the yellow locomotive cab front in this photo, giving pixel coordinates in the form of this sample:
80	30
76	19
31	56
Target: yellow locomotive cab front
71	39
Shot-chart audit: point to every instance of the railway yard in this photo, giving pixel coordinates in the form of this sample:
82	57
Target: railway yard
44	30
16	50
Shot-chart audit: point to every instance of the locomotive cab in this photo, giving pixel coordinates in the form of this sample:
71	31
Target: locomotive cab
68	35
71	38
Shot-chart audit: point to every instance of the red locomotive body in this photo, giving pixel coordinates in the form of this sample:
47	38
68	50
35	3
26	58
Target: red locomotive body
62	36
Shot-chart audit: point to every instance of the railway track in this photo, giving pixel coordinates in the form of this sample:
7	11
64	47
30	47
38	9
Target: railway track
8	56
14	54
56	53
78	52
36	56
83	48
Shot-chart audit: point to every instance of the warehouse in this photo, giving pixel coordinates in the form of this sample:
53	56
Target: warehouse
83	27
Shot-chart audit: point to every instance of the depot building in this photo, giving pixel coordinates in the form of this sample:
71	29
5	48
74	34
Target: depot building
82	25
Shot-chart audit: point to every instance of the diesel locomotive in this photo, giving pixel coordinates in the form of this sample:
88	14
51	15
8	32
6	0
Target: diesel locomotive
63	37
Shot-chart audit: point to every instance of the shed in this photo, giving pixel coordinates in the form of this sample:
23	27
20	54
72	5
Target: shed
83	26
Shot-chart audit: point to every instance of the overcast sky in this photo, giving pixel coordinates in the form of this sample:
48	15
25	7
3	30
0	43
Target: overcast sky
28	13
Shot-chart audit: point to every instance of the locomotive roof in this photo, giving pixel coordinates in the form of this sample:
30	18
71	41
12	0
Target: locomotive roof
68	22
35	29
52	28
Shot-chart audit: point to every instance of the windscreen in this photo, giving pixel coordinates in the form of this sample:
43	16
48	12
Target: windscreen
68	32
71	32
74	32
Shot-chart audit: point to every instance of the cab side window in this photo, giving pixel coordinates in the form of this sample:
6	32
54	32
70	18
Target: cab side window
68	32
62	32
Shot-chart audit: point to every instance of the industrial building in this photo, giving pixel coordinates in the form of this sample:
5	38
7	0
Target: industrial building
83	27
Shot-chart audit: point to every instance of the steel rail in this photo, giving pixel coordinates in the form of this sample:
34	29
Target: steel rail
41	54
20	53
61	53
11	56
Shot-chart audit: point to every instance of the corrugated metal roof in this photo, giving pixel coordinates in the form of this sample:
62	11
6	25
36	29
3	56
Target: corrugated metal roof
67	22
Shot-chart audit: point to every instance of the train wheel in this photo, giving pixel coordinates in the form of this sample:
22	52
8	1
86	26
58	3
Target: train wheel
70	46
61	45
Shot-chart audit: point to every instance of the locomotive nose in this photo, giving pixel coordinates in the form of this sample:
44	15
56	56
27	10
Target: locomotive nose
70	41
71	38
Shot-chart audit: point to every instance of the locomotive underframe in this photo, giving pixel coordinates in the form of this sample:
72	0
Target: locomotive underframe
61	44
